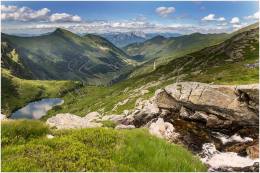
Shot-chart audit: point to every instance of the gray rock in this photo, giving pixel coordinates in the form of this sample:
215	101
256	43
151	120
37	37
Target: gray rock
163	129
114	118
70	121
122	126
93	116
145	111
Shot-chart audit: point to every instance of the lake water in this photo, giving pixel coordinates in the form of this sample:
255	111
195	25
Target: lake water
35	110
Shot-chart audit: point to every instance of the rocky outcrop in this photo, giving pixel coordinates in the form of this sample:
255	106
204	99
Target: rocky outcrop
70	121
216	105
193	113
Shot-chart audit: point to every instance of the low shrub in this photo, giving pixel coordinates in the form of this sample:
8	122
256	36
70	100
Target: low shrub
21	131
97	149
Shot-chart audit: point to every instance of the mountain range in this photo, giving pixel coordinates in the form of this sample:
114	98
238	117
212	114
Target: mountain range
64	55
122	39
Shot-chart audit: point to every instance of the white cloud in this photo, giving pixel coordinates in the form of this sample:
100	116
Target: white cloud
209	17
164	11
255	16
212	17
64	17
221	19
8	8
25	14
235	20
222	24
113	26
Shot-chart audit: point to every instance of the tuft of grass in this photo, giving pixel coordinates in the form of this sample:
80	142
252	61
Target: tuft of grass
109	123
97	149
20	132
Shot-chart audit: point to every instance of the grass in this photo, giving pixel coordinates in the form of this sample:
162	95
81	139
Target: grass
20	132
99	149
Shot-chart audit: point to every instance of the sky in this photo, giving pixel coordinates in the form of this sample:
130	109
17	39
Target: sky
149	17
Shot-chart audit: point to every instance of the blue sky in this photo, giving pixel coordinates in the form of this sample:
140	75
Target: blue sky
82	16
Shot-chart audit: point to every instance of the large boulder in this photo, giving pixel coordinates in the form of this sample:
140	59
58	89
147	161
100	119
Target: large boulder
217	105
70	121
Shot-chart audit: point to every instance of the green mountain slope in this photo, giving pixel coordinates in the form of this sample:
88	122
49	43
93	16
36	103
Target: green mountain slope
63	55
162	50
11	61
161	47
235	61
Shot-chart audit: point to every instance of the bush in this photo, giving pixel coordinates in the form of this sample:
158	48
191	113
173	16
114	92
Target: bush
97	149
21	131
108	123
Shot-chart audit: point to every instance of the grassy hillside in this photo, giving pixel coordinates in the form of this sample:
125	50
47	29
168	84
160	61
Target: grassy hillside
160	46
234	61
162	50
11	61
63	55
17	92
25	147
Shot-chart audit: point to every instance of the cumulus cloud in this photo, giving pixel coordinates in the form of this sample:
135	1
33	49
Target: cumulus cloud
25	14
255	16
209	17
164	11
113	26
235	20
212	17
64	17
221	19
8	8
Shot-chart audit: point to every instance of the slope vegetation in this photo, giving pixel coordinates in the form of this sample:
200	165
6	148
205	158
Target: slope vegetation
62	55
25	147
234	61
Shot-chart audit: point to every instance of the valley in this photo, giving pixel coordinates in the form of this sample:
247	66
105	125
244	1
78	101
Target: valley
133	108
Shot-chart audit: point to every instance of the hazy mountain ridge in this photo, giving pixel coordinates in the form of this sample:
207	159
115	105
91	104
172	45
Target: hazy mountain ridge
122	39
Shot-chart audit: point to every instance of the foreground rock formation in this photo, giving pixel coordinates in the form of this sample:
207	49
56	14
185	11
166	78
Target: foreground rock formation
194	114
213	121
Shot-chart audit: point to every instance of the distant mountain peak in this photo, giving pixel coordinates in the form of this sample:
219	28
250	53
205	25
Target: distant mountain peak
62	31
158	38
